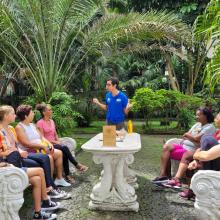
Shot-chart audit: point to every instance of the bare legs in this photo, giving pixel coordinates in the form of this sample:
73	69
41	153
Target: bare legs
183	166
37	180
56	159
165	160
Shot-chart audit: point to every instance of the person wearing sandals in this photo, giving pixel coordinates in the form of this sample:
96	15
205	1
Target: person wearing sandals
31	140
47	127
184	151
207	157
10	153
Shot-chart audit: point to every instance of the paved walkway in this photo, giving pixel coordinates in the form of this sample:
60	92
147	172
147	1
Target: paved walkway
155	203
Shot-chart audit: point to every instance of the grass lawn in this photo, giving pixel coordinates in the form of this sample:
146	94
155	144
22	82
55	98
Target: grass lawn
80	141
138	126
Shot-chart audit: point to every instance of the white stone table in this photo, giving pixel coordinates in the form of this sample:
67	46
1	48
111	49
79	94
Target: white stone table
114	192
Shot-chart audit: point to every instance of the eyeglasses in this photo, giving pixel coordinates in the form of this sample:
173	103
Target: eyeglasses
108	84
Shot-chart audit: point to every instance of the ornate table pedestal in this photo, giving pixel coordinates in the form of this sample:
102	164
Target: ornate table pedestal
130	176
113	192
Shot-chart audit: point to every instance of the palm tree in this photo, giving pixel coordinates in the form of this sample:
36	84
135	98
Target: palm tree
52	38
207	29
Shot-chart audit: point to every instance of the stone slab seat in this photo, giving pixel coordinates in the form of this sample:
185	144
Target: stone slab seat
70	143
13	181
206	186
174	163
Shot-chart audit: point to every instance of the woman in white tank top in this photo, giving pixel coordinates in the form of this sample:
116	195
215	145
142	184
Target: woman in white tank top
31	140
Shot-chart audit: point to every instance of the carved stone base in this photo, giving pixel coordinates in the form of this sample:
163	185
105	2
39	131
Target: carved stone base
113	192
110	207
130	176
114	202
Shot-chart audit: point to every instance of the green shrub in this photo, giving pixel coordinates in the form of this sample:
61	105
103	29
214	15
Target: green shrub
185	118
84	106
63	106
147	101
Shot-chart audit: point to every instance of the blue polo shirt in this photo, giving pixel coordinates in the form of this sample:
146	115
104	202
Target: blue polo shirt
116	105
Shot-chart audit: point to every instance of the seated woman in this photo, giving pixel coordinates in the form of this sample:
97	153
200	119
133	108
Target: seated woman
31	140
47	128
10	153
207	157
206	142
190	143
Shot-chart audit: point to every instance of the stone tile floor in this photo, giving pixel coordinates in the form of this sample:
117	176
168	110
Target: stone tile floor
155	203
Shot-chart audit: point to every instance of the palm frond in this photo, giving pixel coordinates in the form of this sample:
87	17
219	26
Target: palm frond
52	38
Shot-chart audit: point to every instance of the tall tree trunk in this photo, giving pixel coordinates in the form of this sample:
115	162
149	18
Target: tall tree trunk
172	76
190	82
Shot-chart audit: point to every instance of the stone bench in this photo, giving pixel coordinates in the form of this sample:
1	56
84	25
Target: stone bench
13	181
206	186
70	143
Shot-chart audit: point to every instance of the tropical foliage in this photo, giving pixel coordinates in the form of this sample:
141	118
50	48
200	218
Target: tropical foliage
168	104
208	25
63	106
187	10
189	78
53	40
146	101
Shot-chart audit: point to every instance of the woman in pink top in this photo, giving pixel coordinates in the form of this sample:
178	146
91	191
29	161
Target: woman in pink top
47	127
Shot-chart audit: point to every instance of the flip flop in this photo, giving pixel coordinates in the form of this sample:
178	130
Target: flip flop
82	168
70	179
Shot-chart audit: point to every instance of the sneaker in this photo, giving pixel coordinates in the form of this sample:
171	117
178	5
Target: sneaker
173	183
61	182
44	216
54	194
49	205
64	194
160	179
187	194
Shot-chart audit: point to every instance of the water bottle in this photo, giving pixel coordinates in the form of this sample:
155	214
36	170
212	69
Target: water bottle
130	126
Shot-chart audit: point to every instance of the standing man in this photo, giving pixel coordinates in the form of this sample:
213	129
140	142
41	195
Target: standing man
116	104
